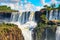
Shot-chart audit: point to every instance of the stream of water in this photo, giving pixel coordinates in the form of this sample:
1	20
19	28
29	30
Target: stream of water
26	23
58	33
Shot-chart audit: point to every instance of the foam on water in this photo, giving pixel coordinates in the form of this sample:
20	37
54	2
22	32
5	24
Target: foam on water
25	29
58	33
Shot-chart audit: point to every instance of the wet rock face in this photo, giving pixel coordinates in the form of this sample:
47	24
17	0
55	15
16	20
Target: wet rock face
37	16
10	32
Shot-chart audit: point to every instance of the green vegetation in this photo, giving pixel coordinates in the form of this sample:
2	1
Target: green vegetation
43	17
6	9
39	30
10	32
43	25
52	7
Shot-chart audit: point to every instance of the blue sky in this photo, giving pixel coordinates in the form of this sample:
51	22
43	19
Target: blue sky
33	4
39	2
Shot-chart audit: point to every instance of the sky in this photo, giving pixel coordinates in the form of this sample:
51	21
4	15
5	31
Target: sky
28	5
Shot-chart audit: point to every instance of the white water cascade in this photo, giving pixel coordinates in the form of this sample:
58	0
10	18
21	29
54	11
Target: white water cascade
56	14
53	15
58	33
26	23
50	16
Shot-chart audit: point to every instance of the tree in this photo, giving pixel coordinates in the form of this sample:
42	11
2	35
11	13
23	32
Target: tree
47	7
44	18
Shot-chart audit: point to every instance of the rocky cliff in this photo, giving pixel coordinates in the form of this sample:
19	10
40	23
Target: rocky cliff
10	32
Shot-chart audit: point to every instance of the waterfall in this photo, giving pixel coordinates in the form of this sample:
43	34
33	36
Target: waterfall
46	35
47	14
56	14
31	18
14	17
20	17
58	33
50	16
59	14
26	22
53	15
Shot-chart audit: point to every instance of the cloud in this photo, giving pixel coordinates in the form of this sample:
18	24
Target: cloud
12	3
16	1
53	1
13	6
25	1
49	3
27	7
58	2
9	4
9	1
38	8
43	2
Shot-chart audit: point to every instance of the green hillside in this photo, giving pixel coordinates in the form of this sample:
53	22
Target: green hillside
7	9
10	32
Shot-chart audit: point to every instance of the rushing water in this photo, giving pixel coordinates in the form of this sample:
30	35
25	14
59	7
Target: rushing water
53	15
50	15
58	33
25	22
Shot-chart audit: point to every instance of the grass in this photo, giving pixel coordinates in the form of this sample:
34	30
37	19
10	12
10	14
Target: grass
10	32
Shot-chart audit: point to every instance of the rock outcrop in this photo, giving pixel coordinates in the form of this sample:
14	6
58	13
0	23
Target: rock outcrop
10	32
